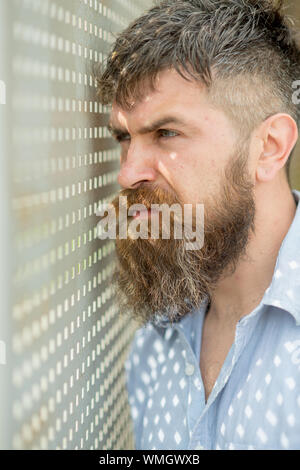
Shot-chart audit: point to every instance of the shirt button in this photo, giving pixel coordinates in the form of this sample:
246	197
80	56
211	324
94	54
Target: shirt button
189	369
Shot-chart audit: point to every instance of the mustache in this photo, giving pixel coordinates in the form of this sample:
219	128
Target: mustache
147	195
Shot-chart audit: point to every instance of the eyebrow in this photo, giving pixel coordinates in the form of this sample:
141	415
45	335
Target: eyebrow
121	132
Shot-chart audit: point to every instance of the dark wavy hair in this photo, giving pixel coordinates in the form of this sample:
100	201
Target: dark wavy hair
246	53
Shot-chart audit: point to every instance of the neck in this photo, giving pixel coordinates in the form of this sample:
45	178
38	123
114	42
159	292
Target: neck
238	294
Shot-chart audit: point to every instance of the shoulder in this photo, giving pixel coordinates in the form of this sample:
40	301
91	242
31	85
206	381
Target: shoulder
147	345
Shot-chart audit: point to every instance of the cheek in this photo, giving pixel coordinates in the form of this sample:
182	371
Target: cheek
182	177
176	172
190	174
178	161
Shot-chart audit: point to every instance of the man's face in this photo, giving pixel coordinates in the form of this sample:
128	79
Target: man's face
187	159
191	157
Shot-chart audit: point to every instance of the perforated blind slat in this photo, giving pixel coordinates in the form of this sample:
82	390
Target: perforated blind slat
63	383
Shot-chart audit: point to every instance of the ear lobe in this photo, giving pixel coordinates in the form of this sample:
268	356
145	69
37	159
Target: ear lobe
264	174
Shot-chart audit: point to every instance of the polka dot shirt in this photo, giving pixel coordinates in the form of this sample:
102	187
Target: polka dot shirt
255	402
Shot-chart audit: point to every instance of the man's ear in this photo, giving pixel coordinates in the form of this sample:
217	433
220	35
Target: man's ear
279	134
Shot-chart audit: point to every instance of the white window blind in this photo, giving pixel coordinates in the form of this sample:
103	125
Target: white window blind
62	340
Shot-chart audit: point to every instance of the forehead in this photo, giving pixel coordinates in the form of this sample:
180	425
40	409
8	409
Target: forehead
188	102
173	93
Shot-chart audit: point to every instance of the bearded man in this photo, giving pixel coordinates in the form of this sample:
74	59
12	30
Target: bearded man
204	109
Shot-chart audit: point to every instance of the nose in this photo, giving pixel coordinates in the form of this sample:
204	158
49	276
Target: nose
136	167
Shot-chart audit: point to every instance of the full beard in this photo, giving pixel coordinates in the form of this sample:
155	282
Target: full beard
161	277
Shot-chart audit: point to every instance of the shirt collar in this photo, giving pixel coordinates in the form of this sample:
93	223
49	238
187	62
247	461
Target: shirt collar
284	289
163	321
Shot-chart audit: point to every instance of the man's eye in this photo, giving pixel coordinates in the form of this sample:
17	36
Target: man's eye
122	138
161	132
167	133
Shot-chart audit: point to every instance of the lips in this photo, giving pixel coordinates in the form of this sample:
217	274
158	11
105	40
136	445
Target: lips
142	214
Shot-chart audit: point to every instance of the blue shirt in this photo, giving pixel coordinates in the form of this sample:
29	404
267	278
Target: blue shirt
255	402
